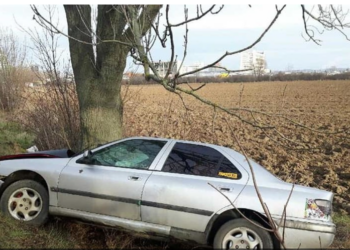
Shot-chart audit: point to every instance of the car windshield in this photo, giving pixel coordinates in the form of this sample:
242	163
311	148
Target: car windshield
91	147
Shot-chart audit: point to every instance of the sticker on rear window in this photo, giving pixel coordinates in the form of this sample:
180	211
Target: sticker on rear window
228	175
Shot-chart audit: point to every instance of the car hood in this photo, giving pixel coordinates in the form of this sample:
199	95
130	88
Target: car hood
60	153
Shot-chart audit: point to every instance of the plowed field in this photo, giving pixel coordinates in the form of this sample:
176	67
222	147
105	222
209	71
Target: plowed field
308	142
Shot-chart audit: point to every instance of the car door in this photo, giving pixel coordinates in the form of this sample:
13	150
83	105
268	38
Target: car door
178	194
112	183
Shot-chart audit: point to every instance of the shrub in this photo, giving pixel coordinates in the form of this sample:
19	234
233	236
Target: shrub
52	114
13	71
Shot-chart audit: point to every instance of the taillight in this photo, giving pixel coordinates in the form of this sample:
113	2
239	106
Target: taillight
325	206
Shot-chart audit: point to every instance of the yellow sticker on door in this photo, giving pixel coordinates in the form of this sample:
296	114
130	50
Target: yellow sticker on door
228	175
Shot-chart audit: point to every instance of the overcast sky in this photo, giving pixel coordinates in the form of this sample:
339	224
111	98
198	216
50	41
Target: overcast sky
234	28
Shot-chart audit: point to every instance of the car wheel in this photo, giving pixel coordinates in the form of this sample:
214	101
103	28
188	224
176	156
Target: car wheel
241	234
27	201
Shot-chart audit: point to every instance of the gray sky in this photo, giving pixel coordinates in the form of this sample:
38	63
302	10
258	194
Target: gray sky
234	28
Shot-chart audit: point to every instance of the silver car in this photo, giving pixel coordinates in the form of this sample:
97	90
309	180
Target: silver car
160	187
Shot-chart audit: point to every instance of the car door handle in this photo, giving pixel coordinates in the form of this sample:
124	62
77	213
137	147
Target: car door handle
134	178
226	189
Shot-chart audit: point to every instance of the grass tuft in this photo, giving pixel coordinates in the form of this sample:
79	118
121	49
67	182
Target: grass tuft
12	138
15	234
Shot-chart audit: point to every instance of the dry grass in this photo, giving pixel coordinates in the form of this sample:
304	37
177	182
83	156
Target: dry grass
62	233
12	137
342	238
15	234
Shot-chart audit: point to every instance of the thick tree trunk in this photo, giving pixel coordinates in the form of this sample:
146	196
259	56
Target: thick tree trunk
102	114
102	110
98	80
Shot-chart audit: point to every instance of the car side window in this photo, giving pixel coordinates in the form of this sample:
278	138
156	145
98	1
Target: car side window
193	160
137	153
228	170
199	160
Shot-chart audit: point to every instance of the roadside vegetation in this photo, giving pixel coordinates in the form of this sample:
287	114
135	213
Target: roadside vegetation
138	79
342	238
13	138
61	233
15	234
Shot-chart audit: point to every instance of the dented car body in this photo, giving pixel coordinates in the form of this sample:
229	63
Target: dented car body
160	187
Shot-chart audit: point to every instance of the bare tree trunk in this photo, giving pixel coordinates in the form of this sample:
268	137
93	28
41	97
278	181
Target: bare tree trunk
101	118
98	79
102	109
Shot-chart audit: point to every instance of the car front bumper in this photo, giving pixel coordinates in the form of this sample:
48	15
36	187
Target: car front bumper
306	234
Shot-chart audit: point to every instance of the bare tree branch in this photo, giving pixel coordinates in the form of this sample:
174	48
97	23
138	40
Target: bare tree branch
237	51
336	16
326	20
192	93
263	204
185	43
230	71
199	16
307	31
236	209
46	24
172	48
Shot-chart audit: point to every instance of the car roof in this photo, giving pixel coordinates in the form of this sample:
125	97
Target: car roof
176	140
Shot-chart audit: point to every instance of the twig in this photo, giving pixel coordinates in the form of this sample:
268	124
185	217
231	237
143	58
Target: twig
256	187
46	24
171	63
311	36
199	16
285	206
238	51
245	217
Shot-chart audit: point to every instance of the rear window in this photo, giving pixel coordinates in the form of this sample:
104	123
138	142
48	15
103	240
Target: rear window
228	170
199	160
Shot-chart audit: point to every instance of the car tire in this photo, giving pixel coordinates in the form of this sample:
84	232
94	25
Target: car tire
27	201
240	233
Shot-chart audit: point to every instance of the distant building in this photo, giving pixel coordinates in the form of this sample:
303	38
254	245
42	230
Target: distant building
188	68
253	59
162	67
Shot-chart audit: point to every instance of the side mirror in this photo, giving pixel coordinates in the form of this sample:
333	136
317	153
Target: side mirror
87	157
87	154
